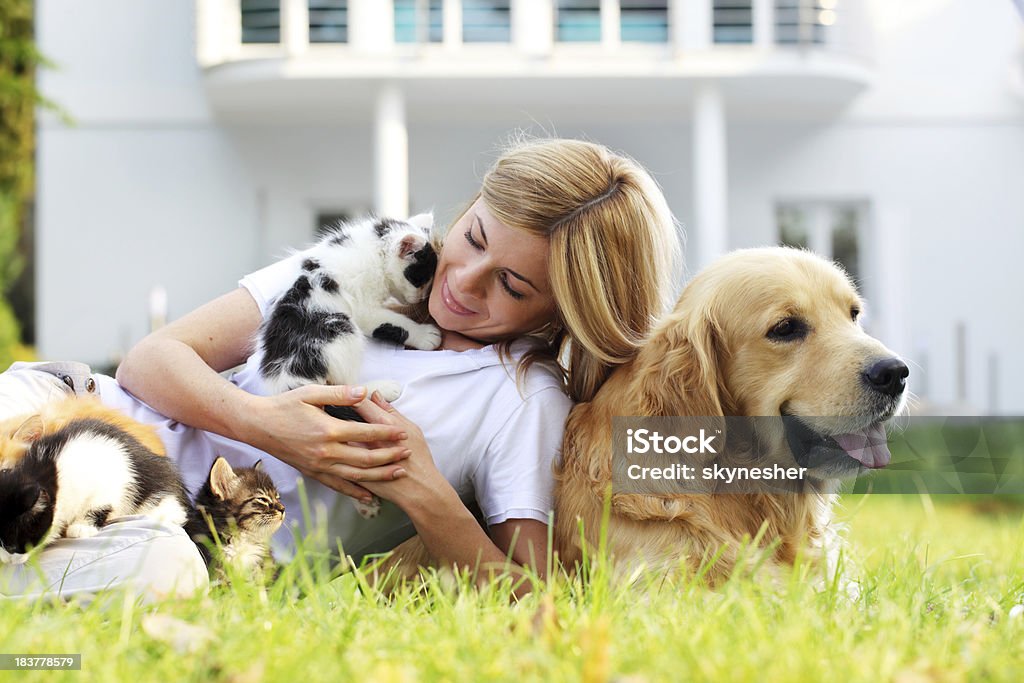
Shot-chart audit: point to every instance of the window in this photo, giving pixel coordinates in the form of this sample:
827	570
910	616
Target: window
644	21
328	21
803	21
418	21
578	21
733	21
834	230
261	21
486	21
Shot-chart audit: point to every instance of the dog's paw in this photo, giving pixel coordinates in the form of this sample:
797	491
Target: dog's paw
81	530
424	338
388	389
367	510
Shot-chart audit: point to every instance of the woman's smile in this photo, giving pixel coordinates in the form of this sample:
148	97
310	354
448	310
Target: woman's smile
451	302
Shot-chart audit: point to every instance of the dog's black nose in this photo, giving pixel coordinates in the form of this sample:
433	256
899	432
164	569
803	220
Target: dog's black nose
888	376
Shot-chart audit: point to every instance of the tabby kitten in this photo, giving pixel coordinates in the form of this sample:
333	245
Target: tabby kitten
236	512
69	481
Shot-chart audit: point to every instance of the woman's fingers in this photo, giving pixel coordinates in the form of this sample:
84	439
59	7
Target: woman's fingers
367	433
366	474
377	410
323	395
346	487
371	462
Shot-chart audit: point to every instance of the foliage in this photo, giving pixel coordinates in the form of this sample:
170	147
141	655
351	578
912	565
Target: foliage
19	97
939	584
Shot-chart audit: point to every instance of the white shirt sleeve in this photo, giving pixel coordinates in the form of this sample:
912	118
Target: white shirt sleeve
515	479
266	284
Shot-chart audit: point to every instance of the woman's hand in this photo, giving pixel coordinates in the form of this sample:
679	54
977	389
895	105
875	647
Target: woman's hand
417	482
294	428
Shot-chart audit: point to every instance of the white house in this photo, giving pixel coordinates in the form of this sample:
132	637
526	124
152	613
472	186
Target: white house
208	136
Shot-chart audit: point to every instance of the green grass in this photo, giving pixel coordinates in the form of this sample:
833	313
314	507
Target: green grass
938	580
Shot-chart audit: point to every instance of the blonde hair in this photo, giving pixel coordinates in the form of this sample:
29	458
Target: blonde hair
614	251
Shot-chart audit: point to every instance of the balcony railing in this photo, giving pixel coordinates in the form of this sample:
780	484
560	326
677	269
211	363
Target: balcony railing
237	29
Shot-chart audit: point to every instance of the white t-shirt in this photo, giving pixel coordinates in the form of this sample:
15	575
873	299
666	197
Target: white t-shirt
494	444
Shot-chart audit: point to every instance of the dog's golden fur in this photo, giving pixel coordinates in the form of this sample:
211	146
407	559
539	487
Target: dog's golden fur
712	357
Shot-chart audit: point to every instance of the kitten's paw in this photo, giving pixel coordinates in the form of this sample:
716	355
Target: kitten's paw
389	389
424	337
367	510
12	558
81	530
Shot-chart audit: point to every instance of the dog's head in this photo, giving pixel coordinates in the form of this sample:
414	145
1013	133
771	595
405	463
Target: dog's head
775	332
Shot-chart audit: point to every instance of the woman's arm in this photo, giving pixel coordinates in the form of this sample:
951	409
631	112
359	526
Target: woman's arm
450	533
175	370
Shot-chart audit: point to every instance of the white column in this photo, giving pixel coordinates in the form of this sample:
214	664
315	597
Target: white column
451	24
611	24
533	26
710	174
371	25
764	23
391	154
295	26
209	32
693	19
218	30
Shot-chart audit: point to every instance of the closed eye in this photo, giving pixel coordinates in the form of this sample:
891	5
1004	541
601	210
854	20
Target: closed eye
788	330
472	242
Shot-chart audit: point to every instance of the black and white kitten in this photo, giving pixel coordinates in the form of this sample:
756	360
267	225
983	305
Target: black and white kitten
70	482
242	509
314	333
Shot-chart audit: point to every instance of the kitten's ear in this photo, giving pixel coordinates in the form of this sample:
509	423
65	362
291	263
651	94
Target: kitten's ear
222	478
410	244
30	430
258	466
424	221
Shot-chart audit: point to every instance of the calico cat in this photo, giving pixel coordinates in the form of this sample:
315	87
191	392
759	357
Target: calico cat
244	510
314	332
58	414
68	478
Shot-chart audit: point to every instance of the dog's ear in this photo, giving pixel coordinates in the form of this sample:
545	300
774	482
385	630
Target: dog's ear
681	372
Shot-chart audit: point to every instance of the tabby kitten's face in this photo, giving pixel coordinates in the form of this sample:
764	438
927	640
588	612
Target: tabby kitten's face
246	499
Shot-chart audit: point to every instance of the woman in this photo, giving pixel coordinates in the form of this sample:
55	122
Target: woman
566	254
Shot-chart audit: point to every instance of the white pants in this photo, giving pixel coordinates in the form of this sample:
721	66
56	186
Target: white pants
136	554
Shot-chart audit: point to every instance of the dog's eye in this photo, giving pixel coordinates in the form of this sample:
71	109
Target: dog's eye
854	313
788	329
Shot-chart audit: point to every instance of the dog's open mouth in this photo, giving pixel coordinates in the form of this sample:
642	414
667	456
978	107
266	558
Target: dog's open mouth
867	445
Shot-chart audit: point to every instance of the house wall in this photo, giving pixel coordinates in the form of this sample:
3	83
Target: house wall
149	188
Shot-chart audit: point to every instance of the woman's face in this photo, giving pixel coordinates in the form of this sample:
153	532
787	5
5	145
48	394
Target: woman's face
491	282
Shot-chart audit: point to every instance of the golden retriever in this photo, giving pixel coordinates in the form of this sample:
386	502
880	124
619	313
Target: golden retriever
760	332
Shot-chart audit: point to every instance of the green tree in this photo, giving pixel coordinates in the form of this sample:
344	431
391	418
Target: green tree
19	98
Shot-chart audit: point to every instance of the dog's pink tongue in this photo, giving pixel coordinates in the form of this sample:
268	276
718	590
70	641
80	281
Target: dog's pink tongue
868	445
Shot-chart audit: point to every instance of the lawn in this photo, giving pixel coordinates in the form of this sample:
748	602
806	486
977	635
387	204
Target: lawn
939	580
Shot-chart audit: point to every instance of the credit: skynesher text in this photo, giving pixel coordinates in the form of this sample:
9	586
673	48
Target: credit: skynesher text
717	472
